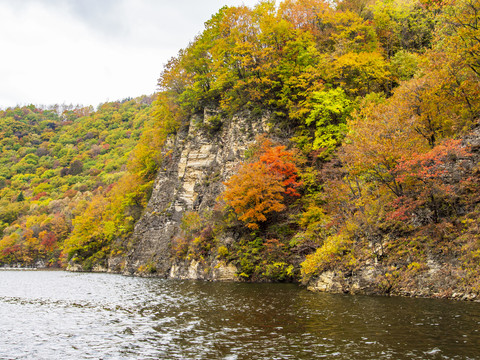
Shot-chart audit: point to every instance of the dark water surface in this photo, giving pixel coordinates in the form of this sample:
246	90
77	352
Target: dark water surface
59	315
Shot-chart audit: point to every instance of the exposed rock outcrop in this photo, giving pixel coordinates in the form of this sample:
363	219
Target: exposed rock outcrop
200	157
436	281
197	162
216	271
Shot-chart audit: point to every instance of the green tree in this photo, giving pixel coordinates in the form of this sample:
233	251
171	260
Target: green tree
20	197
329	116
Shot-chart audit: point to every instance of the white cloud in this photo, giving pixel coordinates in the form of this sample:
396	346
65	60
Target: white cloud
91	51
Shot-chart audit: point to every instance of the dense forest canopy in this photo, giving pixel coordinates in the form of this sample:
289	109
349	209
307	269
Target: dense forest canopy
374	97
368	102
56	164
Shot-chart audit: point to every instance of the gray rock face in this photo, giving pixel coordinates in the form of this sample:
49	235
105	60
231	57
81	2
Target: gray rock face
436	281
363	282
217	271
196	164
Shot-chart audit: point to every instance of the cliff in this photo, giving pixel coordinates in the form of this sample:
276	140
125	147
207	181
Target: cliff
208	150
198	159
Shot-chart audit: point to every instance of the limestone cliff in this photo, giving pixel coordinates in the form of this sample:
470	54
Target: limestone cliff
198	159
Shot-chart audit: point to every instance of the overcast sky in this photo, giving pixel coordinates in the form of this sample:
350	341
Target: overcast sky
91	51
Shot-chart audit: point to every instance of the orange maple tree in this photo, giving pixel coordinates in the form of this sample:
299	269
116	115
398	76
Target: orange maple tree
260	187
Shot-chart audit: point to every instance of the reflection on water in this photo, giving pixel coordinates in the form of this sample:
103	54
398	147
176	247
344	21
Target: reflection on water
59	315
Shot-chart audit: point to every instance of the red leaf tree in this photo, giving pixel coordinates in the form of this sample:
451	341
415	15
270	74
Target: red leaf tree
260	187
428	179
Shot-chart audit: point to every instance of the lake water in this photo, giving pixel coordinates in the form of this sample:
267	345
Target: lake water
60	315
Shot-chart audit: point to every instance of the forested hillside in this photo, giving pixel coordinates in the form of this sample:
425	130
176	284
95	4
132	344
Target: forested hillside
56	163
371	157
372	100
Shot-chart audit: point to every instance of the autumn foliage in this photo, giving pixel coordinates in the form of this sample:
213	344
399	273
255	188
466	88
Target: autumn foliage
429	179
261	187
379	100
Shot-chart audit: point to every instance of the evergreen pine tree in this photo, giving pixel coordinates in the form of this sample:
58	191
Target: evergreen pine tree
20	197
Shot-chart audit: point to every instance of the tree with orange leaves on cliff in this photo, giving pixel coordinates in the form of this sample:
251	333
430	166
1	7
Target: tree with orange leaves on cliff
262	186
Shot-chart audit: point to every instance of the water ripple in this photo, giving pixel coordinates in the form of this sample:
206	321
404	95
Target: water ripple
58	315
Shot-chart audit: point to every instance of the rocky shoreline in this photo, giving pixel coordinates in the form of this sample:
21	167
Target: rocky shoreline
362	282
